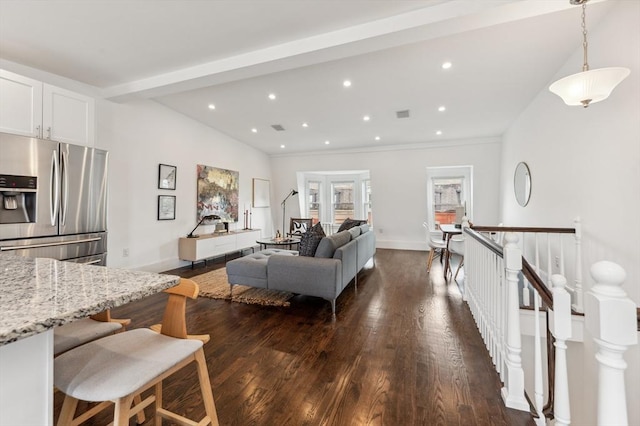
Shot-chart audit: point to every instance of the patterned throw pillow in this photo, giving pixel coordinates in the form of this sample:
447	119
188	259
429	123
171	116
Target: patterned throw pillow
310	240
350	223
299	228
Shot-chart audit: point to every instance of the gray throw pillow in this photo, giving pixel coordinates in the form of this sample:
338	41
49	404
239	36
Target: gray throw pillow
310	240
350	223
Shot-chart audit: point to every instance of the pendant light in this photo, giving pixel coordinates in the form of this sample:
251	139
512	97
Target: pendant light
588	86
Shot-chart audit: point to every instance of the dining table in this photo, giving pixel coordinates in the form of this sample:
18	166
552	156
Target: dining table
448	231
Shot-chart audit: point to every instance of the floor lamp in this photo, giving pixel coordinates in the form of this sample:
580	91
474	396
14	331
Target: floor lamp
284	203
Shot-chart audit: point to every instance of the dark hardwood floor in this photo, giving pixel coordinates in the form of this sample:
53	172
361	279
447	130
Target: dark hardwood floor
402	350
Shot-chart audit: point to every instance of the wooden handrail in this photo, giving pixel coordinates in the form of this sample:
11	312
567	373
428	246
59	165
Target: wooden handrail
522	229
537	283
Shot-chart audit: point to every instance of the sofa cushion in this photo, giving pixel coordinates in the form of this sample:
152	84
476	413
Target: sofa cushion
350	223
310	240
364	228
355	232
328	245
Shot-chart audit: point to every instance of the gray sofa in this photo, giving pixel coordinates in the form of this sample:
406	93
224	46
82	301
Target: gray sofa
337	261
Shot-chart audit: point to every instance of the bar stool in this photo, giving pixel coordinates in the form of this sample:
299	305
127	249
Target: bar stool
118	368
86	330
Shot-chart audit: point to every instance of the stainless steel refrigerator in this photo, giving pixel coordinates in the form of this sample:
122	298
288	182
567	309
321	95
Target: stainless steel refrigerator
53	200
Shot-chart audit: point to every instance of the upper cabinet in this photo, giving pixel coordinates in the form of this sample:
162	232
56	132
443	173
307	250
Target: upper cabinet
31	108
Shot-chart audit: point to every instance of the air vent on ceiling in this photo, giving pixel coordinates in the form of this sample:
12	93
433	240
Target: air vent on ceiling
402	114
277	127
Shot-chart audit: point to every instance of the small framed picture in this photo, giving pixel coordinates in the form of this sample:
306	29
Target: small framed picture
167	176
166	207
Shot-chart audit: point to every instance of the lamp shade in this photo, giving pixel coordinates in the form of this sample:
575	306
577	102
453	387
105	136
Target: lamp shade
590	86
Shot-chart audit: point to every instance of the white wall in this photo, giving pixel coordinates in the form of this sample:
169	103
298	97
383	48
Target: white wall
398	183
586	162
141	134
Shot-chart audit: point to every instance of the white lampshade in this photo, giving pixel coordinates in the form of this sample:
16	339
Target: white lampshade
590	86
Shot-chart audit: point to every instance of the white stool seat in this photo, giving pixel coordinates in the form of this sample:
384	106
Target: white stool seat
118	365
79	332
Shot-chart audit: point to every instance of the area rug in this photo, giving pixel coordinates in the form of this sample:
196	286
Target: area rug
214	285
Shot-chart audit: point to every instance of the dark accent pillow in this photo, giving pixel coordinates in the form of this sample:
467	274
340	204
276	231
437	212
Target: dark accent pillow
310	240
350	223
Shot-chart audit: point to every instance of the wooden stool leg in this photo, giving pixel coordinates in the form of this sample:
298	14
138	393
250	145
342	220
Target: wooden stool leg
140	418
158	404
121	411
205	386
68	411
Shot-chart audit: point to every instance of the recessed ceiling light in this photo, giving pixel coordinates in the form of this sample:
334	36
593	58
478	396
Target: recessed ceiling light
305	125
446	65
442	108
327	142
346	83
212	106
272	96
366	118
254	130
377	138
439	132
281	146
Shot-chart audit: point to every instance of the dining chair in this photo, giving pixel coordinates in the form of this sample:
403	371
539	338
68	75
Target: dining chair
456	246
437	246
118	368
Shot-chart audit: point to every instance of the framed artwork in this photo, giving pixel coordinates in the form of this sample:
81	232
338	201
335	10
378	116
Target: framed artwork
166	207
260	192
217	193
167	176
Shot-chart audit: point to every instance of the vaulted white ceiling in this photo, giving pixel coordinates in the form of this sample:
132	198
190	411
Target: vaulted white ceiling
190	54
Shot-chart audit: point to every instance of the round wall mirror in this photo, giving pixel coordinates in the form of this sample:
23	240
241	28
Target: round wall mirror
522	184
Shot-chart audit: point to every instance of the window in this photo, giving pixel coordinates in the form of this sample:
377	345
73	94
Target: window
332	196
313	189
449	194
366	196
447	200
343	205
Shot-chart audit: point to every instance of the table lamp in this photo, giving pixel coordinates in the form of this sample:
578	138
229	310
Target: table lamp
208	217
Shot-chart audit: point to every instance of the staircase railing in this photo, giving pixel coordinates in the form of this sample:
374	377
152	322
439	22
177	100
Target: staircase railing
500	282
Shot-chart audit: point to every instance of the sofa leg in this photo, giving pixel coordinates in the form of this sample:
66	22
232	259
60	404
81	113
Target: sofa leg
333	306
231	291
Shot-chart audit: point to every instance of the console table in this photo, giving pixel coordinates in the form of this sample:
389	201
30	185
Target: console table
217	244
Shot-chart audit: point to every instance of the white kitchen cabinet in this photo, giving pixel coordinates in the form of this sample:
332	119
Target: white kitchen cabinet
20	104
31	108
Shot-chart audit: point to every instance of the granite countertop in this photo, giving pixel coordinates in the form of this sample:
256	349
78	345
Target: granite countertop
39	294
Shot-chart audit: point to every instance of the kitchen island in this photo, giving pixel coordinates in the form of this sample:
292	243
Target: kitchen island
37	295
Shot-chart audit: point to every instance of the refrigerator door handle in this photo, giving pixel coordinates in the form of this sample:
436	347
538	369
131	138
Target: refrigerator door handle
62	243
64	204
55	188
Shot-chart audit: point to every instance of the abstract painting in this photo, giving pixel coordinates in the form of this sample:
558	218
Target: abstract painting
217	193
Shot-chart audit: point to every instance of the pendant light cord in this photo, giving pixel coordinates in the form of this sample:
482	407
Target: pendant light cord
585	65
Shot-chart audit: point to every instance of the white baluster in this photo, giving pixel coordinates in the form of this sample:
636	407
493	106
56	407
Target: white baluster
549	273
561	331
513	390
538	386
561	255
610	317
579	297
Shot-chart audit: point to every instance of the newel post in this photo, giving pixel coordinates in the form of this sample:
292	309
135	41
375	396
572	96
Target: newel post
610	317
513	390
562	332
